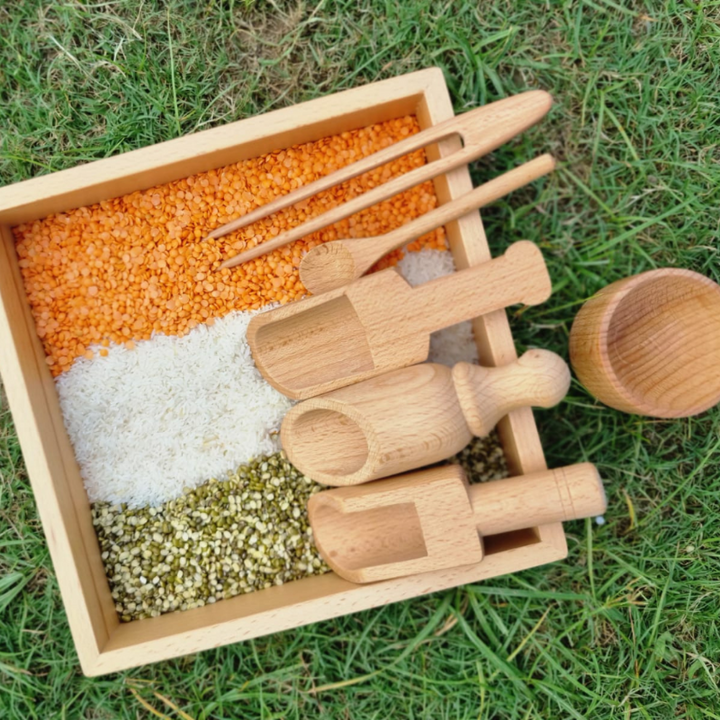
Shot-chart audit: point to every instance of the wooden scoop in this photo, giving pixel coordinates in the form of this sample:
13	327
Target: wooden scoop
482	130
380	323
337	263
416	416
432	519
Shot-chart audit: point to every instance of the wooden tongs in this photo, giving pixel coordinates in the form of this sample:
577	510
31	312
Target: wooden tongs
481	130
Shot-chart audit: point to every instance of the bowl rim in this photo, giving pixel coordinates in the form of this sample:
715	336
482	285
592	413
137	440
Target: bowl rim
630	285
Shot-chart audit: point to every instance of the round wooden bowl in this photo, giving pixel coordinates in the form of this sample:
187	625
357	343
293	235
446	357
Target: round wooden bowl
650	344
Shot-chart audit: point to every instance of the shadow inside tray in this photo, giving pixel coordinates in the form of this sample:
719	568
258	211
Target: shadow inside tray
510	540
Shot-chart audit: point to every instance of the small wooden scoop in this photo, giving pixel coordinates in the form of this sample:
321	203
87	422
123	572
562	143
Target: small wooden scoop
380	323
432	519
482	130
416	416
337	263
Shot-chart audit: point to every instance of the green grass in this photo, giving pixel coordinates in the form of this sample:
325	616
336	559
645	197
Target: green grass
627	626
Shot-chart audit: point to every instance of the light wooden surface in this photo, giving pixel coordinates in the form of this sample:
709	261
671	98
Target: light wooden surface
103	644
61	500
539	378
565	493
381	323
493	337
482	130
339	262
432	519
413	417
387	425
650	344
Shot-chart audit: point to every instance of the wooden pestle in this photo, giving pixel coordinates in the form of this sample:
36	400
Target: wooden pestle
432	519
413	417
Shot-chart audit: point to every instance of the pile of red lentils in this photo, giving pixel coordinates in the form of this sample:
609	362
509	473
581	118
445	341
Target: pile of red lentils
124	269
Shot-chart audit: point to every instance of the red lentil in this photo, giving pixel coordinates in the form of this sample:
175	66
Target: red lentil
128	267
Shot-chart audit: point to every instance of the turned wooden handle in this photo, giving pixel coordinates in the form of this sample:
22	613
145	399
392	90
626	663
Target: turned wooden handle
548	496
539	378
518	276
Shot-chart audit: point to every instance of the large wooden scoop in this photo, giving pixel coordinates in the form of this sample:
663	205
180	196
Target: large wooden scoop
381	323
339	262
432	519
413	417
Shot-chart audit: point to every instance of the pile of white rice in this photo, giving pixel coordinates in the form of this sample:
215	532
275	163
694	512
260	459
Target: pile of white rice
170	414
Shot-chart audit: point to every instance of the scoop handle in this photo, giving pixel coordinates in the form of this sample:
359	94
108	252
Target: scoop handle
566	493
539	378
518	276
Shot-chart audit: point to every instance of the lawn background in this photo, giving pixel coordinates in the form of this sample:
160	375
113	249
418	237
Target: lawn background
627	626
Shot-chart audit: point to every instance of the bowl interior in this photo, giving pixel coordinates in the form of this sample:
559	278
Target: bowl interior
663	344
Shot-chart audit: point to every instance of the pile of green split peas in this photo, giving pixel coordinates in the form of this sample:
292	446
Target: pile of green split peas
247	532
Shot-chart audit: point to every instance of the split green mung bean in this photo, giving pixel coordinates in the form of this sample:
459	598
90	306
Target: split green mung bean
246	532
483	459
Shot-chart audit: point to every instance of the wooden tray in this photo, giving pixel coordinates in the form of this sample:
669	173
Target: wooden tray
104	644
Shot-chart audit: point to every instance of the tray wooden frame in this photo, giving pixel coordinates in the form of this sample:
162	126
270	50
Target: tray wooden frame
103	643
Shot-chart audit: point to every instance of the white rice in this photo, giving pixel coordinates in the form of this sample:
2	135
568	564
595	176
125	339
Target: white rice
457	342
170	414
